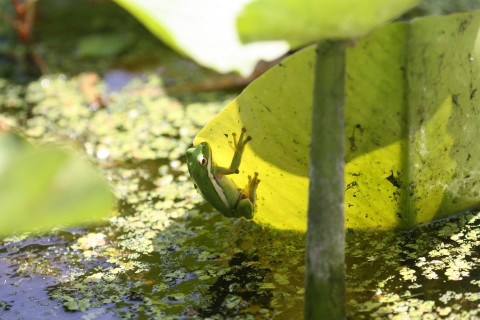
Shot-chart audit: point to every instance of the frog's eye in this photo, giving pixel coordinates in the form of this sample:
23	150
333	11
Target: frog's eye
202	161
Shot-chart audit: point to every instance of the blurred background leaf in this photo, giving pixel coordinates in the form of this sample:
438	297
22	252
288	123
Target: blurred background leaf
205	31
104	45
41	188
308	21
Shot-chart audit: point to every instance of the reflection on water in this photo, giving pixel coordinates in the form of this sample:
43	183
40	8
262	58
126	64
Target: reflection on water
193	270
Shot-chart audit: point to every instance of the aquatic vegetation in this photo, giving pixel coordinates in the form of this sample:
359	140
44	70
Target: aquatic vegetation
165	253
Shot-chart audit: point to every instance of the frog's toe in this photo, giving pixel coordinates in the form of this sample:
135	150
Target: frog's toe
250	216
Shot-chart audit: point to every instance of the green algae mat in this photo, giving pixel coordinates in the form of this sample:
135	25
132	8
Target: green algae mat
164	253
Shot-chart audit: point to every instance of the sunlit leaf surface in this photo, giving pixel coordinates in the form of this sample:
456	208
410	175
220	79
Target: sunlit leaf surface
412	128
311	20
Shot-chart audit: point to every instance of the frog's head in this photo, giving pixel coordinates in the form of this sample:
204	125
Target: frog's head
199	161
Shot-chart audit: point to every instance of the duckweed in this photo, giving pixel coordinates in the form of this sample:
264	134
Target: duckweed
165	253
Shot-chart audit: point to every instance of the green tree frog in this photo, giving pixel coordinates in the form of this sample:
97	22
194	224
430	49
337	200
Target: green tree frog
212	183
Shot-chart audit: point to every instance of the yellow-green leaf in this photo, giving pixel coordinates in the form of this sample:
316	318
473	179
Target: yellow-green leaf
412	127
45	187
305	21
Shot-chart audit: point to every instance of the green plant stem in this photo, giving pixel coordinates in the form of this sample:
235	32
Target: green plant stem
325	270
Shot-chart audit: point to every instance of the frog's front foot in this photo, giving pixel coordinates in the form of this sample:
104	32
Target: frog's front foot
248	138
240	144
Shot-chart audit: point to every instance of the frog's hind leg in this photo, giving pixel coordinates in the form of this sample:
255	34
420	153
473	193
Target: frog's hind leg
246	205
251	189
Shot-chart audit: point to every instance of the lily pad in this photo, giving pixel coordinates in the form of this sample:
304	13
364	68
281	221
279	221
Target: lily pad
412	128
